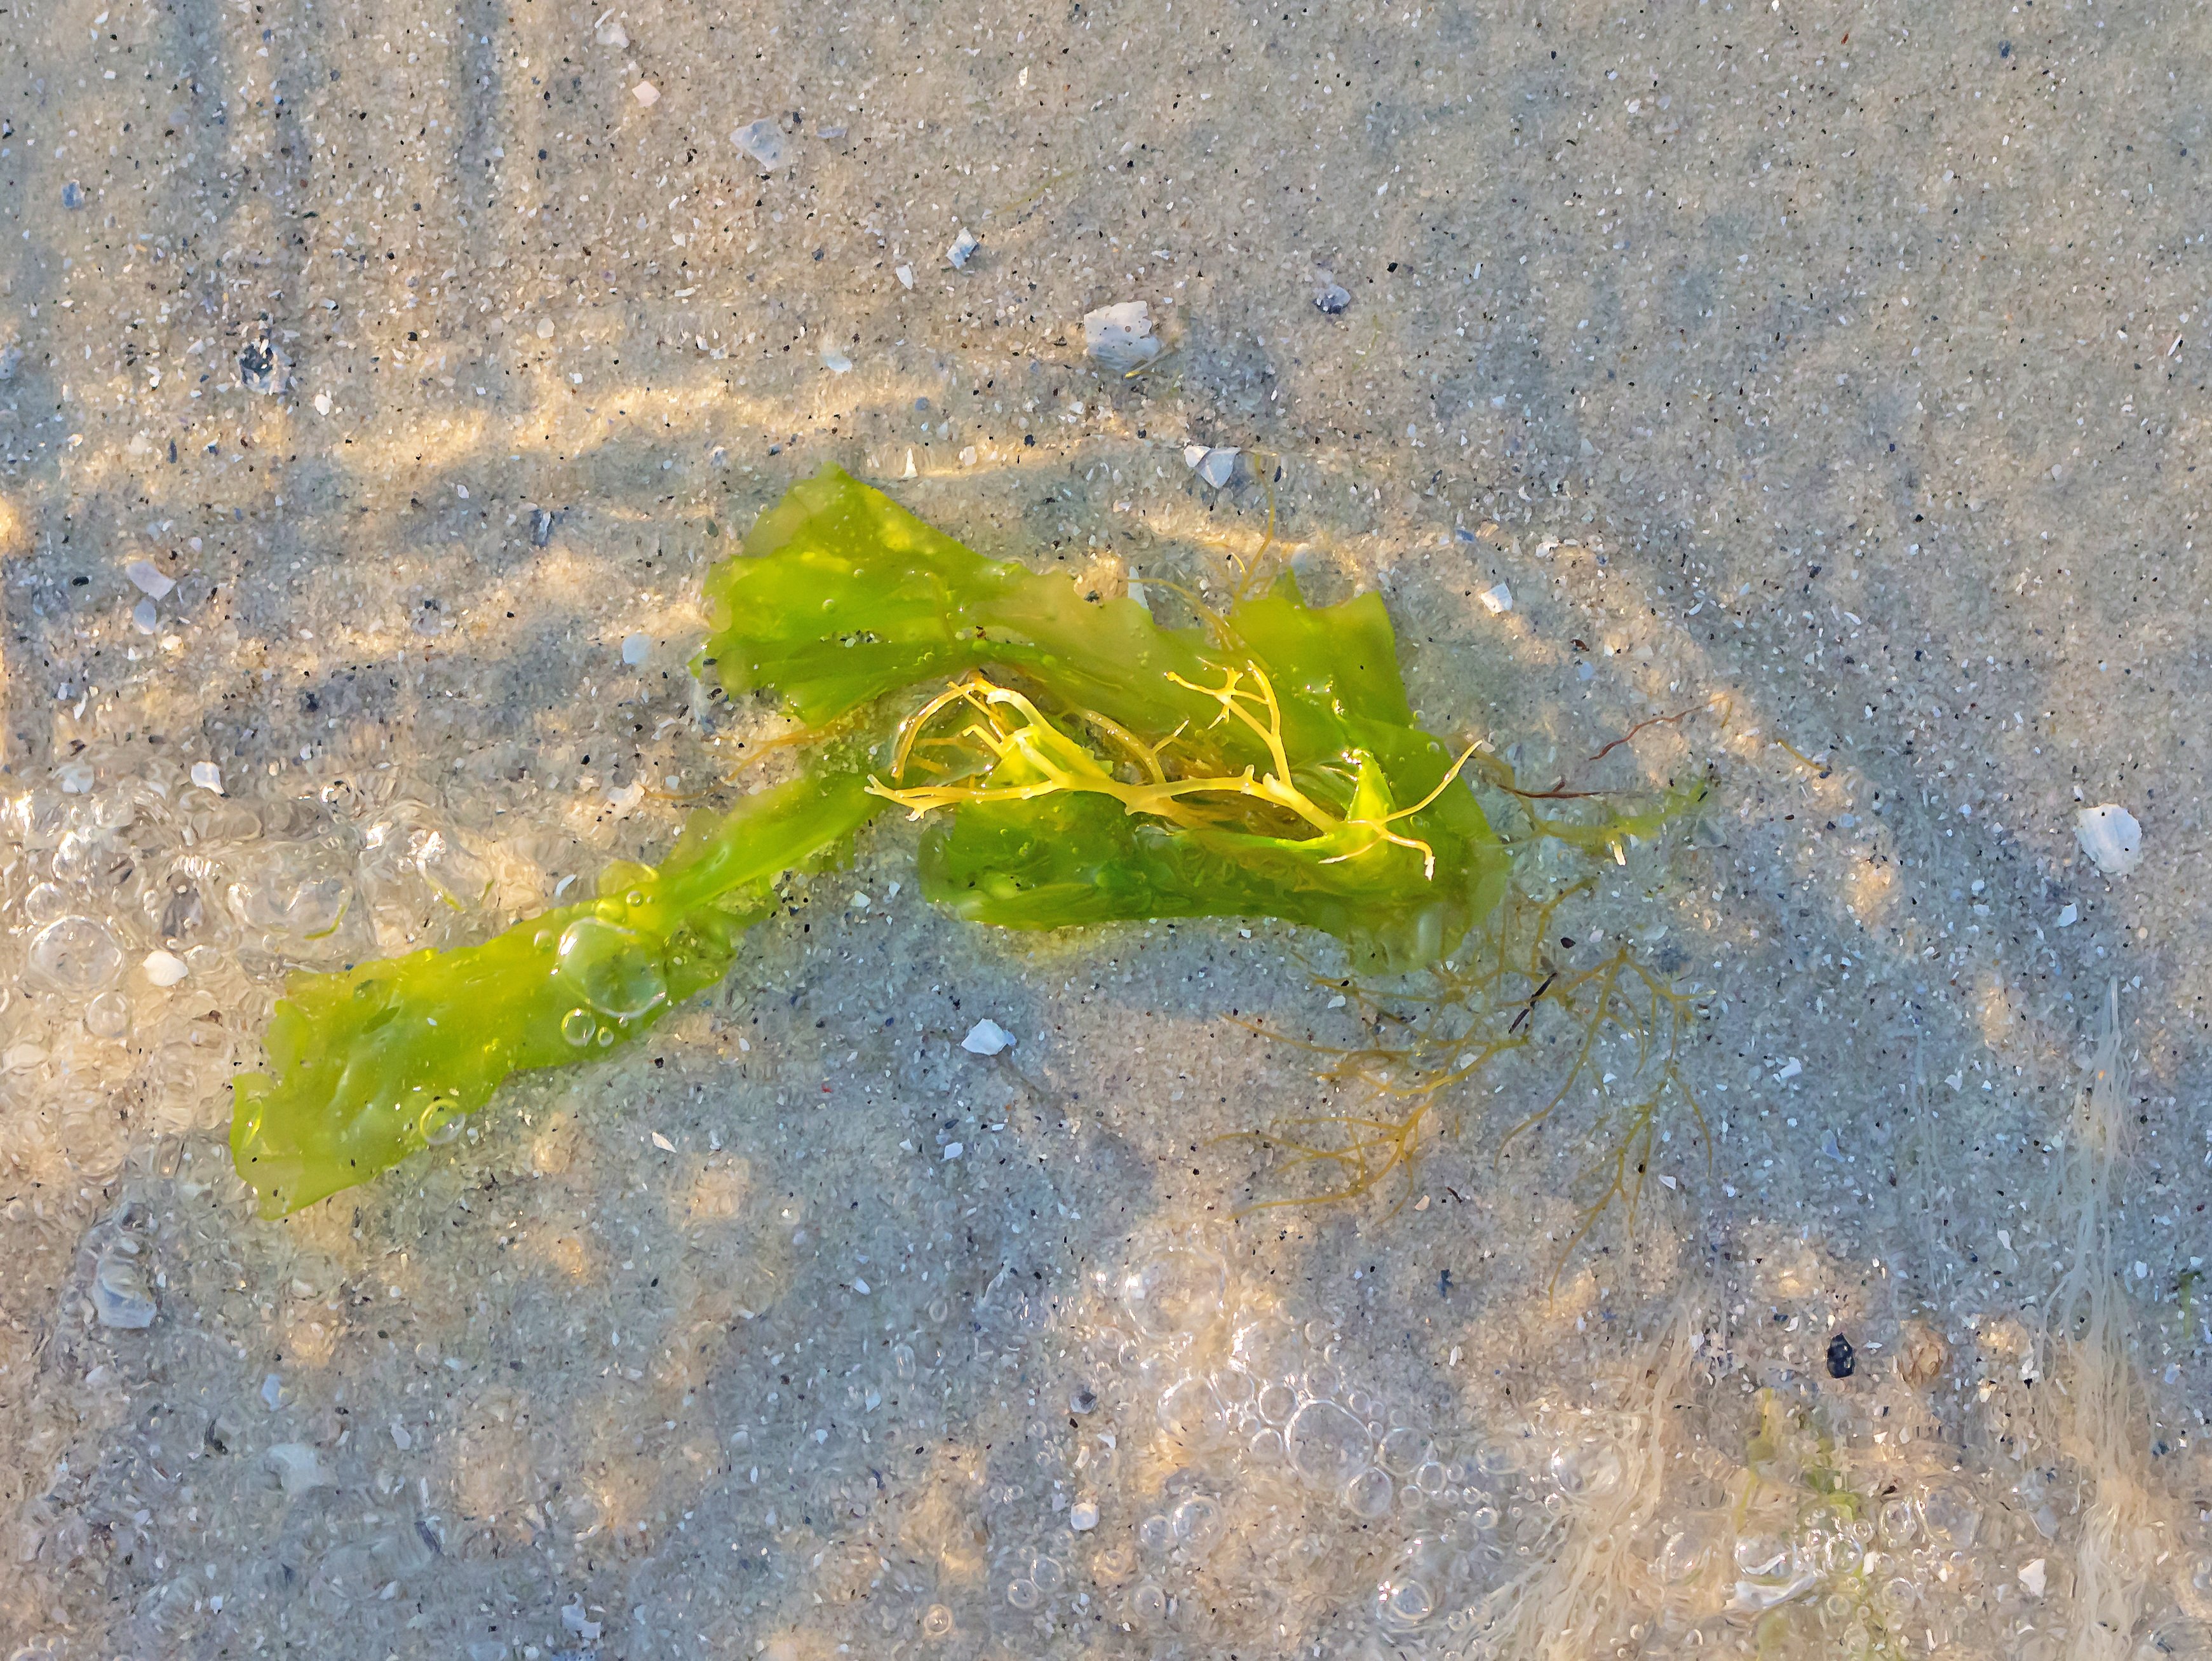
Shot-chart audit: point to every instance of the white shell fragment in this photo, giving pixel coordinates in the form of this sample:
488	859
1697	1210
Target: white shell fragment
905	275
165	968
1121	337
2031	1577
986	1038
148	579
646	93
208	776
963	248
2111	837
1496	600
636	648
1214	466
761	141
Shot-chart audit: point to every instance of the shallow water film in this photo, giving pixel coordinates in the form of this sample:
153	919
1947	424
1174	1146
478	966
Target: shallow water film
1775	1228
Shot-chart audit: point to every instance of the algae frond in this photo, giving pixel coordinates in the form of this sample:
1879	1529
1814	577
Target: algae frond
1087	764
367	1065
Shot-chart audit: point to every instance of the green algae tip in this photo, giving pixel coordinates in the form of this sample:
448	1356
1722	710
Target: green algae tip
367	1065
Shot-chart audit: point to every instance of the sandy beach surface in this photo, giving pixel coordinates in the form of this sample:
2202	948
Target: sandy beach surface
378	380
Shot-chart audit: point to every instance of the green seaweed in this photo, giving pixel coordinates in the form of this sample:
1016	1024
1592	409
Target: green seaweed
367	1065
1091	765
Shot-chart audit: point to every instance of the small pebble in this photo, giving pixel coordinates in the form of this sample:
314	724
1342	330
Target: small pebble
1496	599
1332	298
2031	1577
905	275
836	361
646	93
610	33
963	248
1841	1357
72	195
208	776
143	617
2069	915
636	648
954	1150
1082	1516
165	968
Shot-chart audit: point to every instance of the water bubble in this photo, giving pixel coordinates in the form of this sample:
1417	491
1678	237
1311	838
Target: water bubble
1148	1605
1155	1534
1190	1413
1431	1477
75	956
1586	1471
120	1295
1899	1524
1404	1603
108	1016
1327	1446
1267	1349
613	969
1048	1574
441	1122
606	1036
1023	1594
1402	1449
1277	1403
1197	1523
1950	1517
1367	1495
936	1621
1266	1448
1686	1553
577	1027
1175	1293
45	902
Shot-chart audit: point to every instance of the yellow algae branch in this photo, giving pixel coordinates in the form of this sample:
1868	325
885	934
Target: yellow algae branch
367	1065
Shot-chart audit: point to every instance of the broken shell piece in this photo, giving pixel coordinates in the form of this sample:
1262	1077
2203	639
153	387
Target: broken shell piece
905	275
2111	837
646	93
761	141
963	248
986	1038
208	776
1214	466
610	33
299	1469
148	579
165	968
120	1293
1121	337
1496	600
